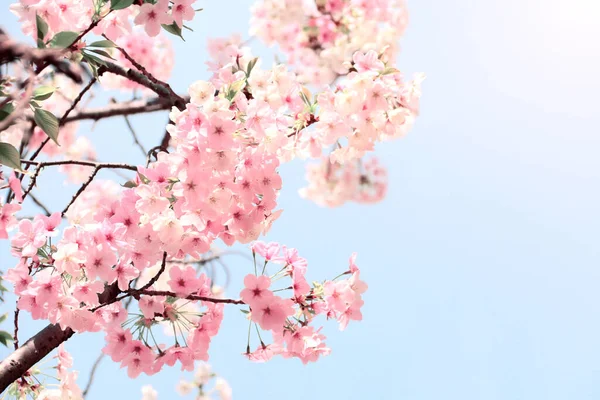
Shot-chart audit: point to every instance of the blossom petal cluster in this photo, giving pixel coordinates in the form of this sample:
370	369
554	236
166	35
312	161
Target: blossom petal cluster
319	37
290	319
331	184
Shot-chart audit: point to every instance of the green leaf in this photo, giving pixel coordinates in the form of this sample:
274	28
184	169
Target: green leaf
10	156
48	122
102	53
129	184
63	39
251	66
5	337
42	30
120	4
93	60
43	93
3	317
173	29
6	110
143	178
102	43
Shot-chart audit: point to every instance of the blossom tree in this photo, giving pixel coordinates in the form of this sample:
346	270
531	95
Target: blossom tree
125	257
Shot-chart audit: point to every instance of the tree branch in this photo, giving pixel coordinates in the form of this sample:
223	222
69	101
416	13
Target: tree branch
127	108
160	88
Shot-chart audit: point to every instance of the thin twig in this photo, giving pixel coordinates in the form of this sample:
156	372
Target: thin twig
92	373
135	138
155	277
40	204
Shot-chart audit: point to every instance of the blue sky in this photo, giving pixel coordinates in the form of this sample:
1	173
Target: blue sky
483	260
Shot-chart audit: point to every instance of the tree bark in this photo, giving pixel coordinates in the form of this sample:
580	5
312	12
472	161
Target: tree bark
32	351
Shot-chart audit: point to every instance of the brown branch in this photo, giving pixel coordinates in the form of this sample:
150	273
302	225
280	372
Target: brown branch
97	166
146	73
16	321
190	297
158	87
81	162
40	204
127	108
32	351
155	277
63	119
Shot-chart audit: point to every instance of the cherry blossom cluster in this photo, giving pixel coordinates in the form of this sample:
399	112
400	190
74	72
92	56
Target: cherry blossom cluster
331	184
77	15
319	36
199	384
289	319
277	113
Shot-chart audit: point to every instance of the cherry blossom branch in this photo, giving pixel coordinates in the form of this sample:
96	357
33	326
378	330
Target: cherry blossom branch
97	166
31	352
127	108
158	87
145	72
190	297
91	178
155	277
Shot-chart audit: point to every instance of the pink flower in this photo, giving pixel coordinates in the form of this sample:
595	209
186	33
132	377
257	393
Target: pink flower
7	218
257	289
150	305
125	273
15	186
267	251
152	17
87	292
272	313
367	62
138	358
352	312
184	281
182	10
68	258
117	341
50	223
338	295
30	238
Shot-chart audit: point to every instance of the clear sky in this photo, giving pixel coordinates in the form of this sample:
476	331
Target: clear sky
483	260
